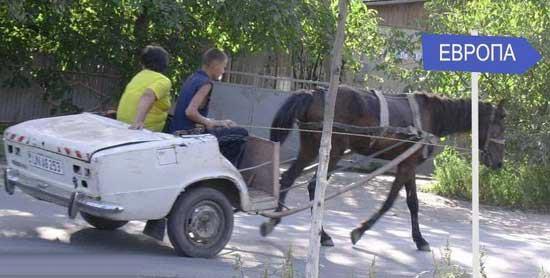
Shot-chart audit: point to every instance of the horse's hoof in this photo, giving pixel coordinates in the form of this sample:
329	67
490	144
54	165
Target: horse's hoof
327	242
266	228
424	247
355	236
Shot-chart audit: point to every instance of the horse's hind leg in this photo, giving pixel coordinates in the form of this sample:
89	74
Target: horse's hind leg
412	203
403	176
309	146
335	156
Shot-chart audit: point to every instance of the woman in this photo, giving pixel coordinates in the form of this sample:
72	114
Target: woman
146	99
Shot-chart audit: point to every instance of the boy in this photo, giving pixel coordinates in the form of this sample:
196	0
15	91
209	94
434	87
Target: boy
146	99
192	107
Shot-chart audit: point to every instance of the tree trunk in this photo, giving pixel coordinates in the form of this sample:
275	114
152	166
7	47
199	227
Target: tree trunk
312	266
140	30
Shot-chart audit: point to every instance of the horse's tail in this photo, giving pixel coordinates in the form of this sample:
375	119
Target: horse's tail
295	107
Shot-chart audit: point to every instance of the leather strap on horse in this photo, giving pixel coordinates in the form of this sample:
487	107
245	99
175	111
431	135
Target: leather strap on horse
417	121
384	112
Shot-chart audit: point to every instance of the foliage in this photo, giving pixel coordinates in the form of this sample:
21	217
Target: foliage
523	182
90	35
372	268
238	266
288	264
517	185
527	95
284	270
42	40
311	52
443	268
453	175
543	273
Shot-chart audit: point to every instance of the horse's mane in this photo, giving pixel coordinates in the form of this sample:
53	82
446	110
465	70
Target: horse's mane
452	115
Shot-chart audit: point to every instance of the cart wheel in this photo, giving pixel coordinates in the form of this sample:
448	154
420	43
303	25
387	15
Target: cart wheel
102	223
200	223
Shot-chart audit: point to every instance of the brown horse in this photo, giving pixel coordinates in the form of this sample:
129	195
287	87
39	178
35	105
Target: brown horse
439	116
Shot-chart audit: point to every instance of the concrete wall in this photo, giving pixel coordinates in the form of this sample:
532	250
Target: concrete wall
251	106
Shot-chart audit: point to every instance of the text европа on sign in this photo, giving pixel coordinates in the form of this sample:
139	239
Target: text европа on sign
477	53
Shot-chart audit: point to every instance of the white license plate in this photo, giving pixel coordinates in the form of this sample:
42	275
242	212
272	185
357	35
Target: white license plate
46	163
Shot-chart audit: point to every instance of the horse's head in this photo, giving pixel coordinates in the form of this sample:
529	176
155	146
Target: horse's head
491	136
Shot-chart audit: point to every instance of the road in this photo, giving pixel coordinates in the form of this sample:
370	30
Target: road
37	239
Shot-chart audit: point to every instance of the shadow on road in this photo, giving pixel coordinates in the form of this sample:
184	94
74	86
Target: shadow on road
120	241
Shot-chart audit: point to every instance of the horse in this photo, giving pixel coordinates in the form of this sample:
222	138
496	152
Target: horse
438	115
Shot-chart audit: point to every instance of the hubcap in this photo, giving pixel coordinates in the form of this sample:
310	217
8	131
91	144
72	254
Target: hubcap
204	223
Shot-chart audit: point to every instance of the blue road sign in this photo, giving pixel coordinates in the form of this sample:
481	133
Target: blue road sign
477	53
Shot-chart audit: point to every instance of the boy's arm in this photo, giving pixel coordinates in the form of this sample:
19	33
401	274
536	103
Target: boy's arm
192	111
145	103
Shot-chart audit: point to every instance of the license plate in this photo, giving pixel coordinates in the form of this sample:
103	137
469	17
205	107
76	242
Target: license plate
45	163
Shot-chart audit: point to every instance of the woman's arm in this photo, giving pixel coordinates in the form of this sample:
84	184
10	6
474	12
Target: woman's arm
145	103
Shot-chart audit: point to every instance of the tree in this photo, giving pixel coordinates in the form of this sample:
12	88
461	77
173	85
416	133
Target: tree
527	95
523	182
41	40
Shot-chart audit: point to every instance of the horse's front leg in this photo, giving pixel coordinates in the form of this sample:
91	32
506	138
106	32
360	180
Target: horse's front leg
412	203
402	176
326	240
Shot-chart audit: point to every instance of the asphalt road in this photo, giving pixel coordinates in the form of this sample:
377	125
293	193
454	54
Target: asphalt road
38	240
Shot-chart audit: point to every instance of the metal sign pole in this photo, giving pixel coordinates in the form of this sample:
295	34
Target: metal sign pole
476	264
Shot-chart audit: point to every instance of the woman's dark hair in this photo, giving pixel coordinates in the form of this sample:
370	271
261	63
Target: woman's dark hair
154	58
213	54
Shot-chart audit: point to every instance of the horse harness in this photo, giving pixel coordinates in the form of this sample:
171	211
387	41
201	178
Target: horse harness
417	121
416	117
488	138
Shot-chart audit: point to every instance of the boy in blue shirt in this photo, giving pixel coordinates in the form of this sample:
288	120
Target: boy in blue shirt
192	107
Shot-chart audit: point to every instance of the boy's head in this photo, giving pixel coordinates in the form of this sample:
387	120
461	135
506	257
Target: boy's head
155	58
214	62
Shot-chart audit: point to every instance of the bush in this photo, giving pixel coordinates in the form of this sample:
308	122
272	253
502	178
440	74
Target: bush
517	185
453	175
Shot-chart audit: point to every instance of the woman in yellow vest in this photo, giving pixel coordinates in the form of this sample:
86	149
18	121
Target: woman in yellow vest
146	99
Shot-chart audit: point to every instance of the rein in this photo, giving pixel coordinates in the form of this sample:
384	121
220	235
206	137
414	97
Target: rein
488	139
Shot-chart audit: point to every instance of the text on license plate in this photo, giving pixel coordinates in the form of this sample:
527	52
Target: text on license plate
45	163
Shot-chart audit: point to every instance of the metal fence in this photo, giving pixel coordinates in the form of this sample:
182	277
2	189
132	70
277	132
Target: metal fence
91	92
253	106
